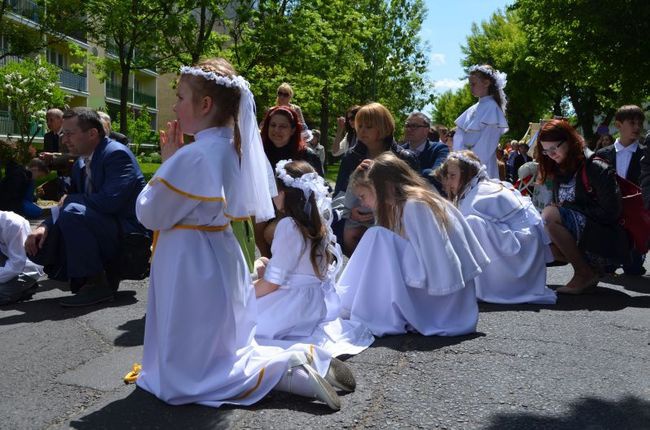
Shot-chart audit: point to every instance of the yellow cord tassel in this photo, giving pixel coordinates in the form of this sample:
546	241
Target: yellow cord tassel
132	376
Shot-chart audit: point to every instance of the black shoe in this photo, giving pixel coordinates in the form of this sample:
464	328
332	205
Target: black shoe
87	296
28	293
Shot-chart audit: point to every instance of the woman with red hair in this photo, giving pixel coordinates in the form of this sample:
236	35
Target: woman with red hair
582	219
282	139
281	135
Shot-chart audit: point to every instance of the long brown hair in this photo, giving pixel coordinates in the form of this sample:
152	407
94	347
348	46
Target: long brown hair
225	99
394	182
311	225
492	89
559	130
467	171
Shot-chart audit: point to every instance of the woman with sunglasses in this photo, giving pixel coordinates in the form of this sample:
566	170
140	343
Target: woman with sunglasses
582	220
284	96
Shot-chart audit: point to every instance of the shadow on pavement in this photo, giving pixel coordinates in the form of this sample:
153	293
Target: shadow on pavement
639	284
587	413
141	410
417	342
598	299
50	310
133	333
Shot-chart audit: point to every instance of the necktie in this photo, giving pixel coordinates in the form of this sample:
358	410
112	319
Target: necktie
88	185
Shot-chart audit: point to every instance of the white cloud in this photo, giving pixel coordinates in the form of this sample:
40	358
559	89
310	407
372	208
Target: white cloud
438	59
443	85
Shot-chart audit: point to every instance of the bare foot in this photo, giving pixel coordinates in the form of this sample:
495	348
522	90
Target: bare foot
580	283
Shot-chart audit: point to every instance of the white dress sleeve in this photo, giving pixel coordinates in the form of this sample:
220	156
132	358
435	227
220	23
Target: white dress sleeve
450	257
12	238
287	249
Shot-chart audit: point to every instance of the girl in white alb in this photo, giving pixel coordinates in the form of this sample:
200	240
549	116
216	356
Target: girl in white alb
416	270
509	228
480	127
199	342
296	297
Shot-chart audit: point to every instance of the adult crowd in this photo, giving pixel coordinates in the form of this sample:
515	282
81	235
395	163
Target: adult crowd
431	225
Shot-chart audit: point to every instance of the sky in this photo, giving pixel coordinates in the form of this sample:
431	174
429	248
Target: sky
445	29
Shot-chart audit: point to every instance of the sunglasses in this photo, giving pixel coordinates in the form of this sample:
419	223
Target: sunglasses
283	94
552	150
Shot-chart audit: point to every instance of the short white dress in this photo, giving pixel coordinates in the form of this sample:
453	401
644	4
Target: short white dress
511	231
199	342
479	129
420	280
305	308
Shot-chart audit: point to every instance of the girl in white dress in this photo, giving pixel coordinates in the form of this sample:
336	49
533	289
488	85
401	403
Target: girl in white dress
509	228
199	342
296	297
416	270
482	124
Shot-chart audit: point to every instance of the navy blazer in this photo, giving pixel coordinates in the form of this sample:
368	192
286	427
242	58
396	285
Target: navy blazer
116	182
634	170
432	156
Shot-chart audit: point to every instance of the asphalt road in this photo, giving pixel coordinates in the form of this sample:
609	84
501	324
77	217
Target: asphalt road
582	364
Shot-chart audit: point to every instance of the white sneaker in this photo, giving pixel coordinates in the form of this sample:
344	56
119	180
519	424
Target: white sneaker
303	380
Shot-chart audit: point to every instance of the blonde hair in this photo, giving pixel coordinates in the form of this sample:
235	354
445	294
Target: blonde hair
225	99
394	182
376	115
284	86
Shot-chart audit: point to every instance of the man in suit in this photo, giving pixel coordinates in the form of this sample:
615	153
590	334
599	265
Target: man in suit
108	128
430	154
82	236
54	119
625	156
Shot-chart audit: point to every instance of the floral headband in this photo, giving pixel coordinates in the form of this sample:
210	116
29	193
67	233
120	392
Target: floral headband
226	81
464	158
308	183
500	78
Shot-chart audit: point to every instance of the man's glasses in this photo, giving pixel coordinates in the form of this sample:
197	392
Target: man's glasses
283	94
552	150
411	125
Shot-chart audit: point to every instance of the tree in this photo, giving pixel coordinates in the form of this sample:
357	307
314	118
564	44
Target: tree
450	104
29	88
596	50
21	40
132	30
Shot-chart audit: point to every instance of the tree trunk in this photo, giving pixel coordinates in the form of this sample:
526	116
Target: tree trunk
324	121
124	99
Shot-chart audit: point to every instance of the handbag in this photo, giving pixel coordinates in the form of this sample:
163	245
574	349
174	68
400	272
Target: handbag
635	218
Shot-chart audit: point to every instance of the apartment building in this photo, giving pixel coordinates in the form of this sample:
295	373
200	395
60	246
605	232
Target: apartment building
84	88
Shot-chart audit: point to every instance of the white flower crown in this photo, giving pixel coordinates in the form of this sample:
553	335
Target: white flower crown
500	78
230	82
308	183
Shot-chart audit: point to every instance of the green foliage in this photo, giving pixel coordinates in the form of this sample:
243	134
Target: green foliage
595	53
450	104
26	40
29	88
138	128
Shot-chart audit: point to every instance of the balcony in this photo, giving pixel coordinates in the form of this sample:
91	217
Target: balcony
9	127
9	59
141	98
73	81
26	8
136	97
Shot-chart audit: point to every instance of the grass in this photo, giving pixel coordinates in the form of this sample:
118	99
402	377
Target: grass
148	170
332	171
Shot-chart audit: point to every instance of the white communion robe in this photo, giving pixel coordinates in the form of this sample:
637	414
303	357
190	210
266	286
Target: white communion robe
421	280
511	231
479	129
14	230
199	342
305	308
